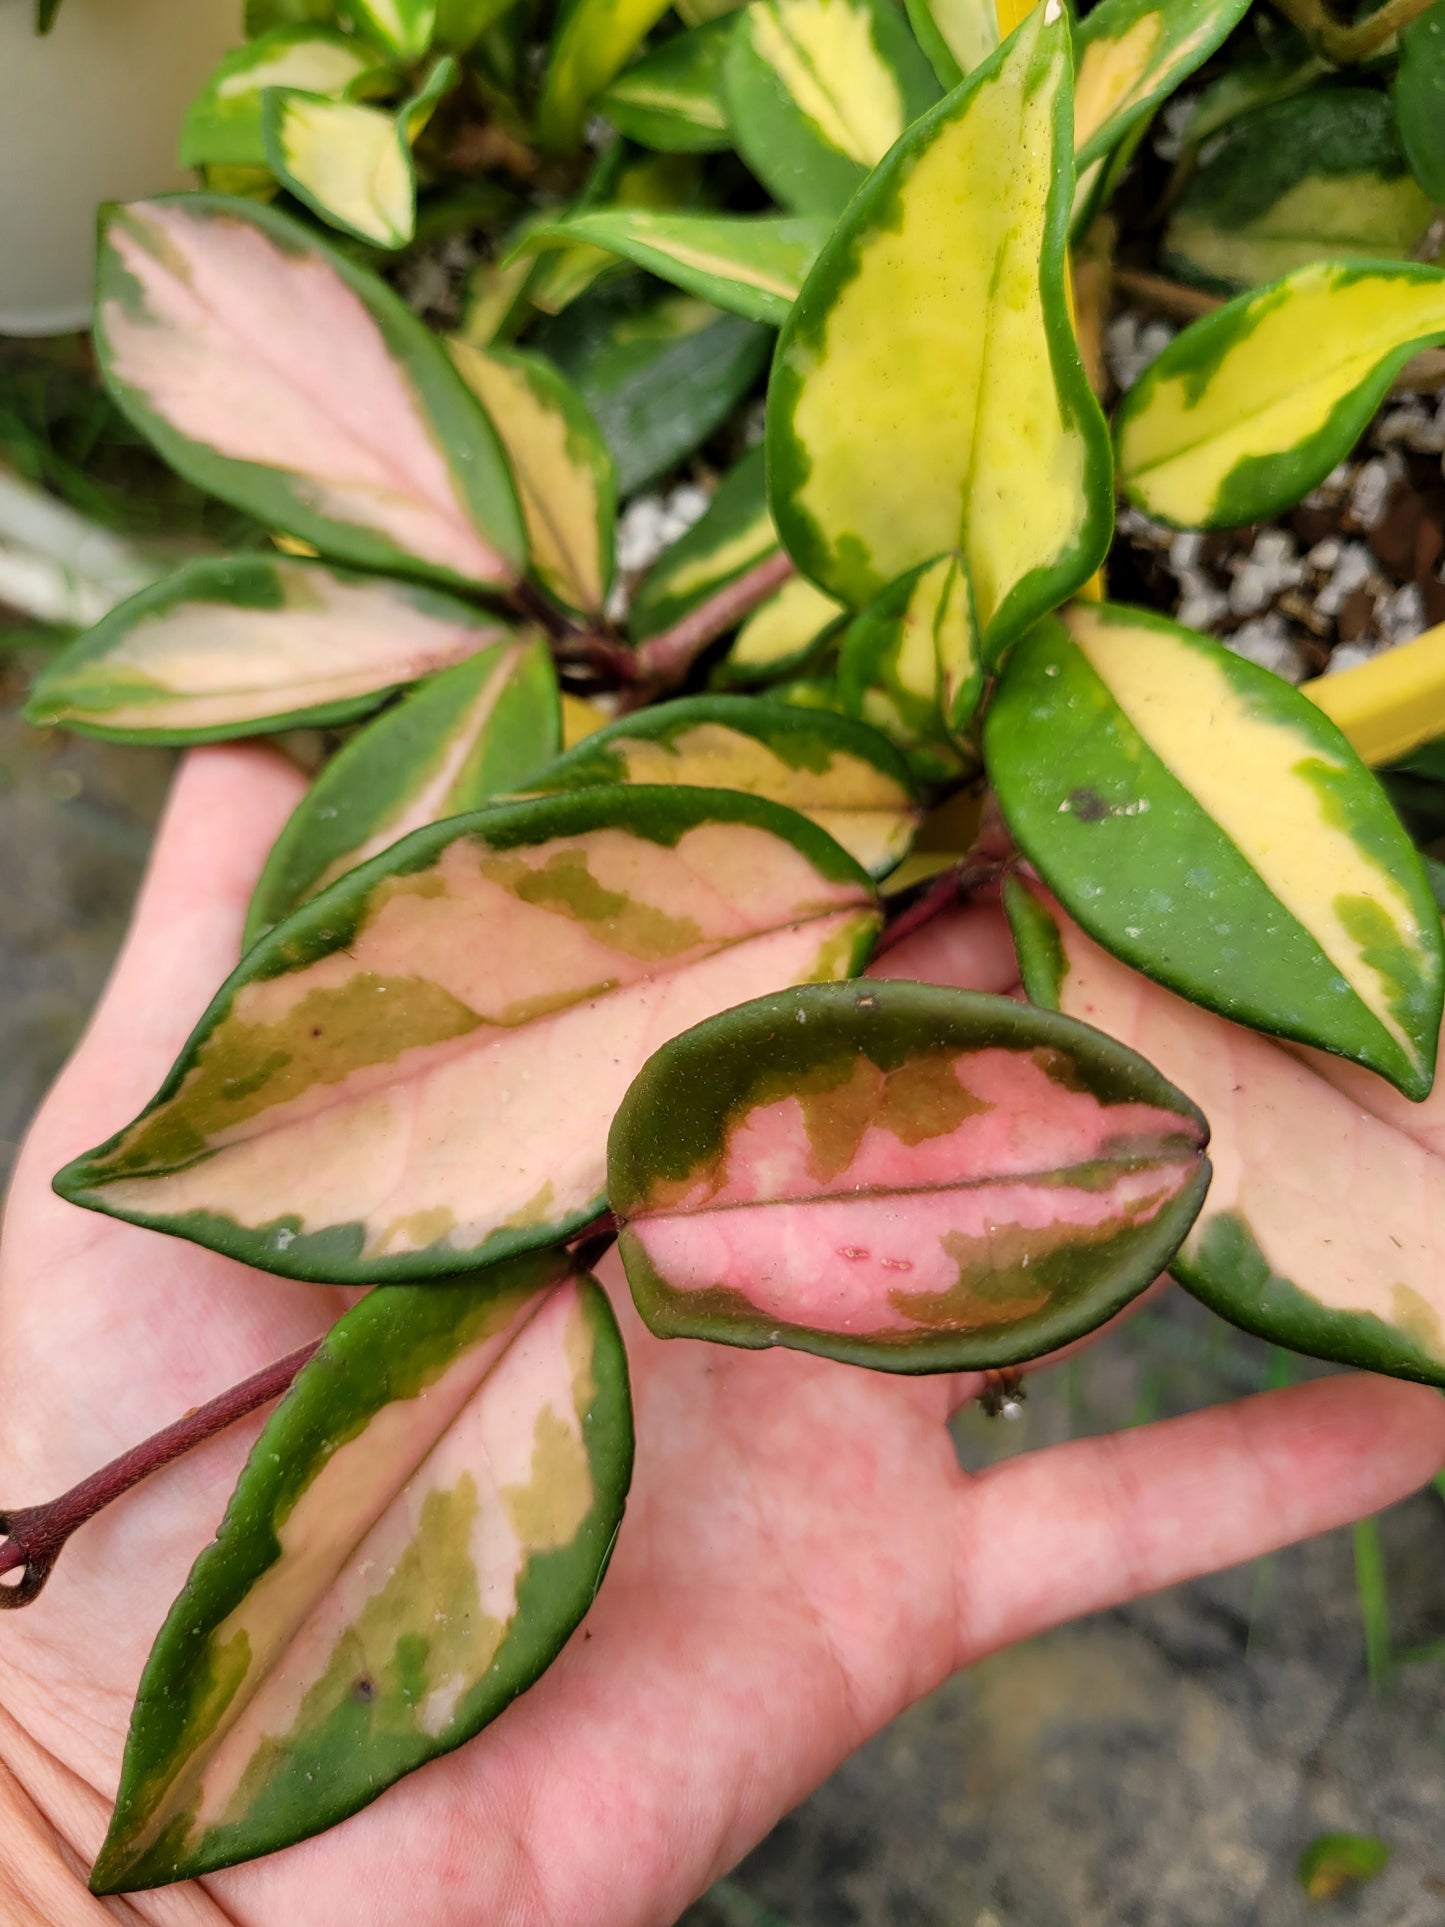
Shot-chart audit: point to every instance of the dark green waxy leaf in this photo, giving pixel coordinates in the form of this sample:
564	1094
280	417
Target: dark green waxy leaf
671	99
909	665
236	646
465	736
418	1530
1420	99
353	432
900	1176
1206	822
1321	176
414	1073
734	534
818	91
1336	1863
846	778
790	631
223	125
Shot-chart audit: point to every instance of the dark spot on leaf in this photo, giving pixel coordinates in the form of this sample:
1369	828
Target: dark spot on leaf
363	1689
1088	805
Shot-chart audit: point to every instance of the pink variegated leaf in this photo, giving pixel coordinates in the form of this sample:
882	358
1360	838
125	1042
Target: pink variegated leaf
899	1175
269	370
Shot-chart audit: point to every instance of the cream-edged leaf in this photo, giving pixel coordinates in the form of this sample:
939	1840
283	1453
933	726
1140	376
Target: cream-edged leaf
223	122
1129	54
671	99
404	27
348	163
733	535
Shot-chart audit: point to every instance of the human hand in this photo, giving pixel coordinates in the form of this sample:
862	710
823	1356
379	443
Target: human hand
801	1557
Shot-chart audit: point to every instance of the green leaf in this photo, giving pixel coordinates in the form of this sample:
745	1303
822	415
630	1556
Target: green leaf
818	91
1318	177
1420	99
1251	406
471	733
461	23
234	646
895	433
421	1525
910	666
565	474
784	634
899	1176
750	264
414	1073
1206	823
223	123
404	27
957	35
671	99
734	534
1322	1228
843	777
1277	65
1130	54
353	431
592	43
620	179
1336	1863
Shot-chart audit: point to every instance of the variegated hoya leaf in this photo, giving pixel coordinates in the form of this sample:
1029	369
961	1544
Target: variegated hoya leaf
465	736
1321	1231
223	123
419	1528
927	393
910	666
900	1176
844	777
404	27
818	91
349	164
1209	825
957	35
1129	54
564	473
782	635
734	534
236	645
592	43
671	99
415	1072
271	372
1253	405
750	264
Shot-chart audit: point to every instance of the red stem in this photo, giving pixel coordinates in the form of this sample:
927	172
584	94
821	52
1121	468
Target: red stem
666	657
31	1538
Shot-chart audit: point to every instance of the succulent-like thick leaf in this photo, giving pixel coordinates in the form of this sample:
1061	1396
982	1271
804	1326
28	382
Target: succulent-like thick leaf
846	778
1420	99
782	635
1322	1228
1251	406
620	179
818	91
271	372
927	393
1208	824
404	27
236	645
223	123
564	472
671	99
415	1072
1129	54
899	1175
910	666
750	264
1318	177
733	535
469	734
348	163
592	42
957	35
419	1528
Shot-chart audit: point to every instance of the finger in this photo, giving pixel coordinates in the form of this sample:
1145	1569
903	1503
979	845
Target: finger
1080	1527
969	949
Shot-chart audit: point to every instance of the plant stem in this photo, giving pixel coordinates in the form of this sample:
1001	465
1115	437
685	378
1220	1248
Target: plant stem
1344	45
992	852
666	657
31	1538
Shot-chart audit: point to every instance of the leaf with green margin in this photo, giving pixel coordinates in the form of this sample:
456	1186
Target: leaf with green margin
900	1176
1129	55
786	633
244	645
817	92
1278	64
591	43
841	775
910	666
404	27
671	99
1319	176
620	179
472	733
1206	823
957	35
733	535
460	24
1250	407
894	434
564	472
414	1073
1322	1228
223	122
419	1529
749	264
1420	98
269	370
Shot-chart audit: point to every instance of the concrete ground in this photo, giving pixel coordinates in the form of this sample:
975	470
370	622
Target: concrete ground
1160	1766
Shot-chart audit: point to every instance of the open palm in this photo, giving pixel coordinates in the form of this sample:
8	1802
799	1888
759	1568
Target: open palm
801	1556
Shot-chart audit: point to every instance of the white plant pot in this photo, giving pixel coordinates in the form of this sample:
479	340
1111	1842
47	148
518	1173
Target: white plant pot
88	114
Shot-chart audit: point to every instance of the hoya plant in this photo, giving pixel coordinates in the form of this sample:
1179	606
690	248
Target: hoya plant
567	942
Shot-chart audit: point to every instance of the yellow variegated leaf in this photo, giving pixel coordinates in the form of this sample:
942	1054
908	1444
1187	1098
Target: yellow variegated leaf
348	163
593	43
910	666
927	394
1391	704
781	633
405	27
1130	53
957	35
224	122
